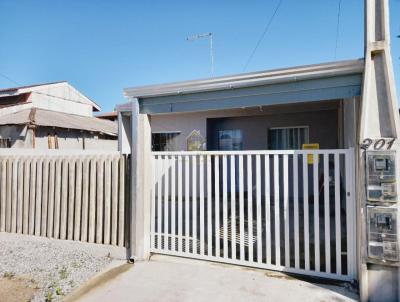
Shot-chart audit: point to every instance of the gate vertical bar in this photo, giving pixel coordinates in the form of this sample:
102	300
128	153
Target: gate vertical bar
277	212
154	213
225	205
327	215
166	202
316	212
187	204
258	208
180	216
306	220
267	208
217	224
160	170
350	214
250	206
296	211
241	207
286	207
233	205
209	209
194	204
337	216
201	202
173	204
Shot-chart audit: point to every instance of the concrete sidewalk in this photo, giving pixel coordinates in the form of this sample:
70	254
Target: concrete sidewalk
172	279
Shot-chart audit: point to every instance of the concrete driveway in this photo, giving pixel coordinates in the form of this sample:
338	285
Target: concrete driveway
172	279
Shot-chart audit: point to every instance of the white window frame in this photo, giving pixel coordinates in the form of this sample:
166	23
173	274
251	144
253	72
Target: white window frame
306	137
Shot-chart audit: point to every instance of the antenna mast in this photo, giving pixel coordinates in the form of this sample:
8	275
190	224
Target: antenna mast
201	36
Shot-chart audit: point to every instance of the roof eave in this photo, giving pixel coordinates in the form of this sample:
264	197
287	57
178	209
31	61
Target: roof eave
248	80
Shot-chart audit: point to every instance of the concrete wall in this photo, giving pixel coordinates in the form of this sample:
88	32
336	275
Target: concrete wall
54	178
321	117
21	137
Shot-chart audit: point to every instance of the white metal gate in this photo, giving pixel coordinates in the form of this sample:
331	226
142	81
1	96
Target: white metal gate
291	211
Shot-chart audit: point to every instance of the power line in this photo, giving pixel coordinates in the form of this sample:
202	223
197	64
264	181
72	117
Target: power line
263	34
337	27
8	78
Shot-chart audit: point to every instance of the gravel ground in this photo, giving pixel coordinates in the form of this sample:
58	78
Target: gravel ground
56	266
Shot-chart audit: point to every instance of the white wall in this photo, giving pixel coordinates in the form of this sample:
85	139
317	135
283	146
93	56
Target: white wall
60	98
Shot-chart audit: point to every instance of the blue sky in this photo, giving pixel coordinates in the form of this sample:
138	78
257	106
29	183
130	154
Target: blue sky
101	47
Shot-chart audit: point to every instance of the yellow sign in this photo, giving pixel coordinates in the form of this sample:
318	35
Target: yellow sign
310	157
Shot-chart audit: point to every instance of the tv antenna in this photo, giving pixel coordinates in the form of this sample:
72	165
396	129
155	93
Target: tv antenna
205	36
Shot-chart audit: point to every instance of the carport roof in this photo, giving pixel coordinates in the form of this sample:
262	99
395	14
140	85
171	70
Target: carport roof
275	76
47	118
327	81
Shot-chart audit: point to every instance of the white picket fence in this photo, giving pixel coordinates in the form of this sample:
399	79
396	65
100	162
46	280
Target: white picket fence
64	195
290	211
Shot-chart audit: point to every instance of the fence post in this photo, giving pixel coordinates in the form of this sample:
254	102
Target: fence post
140	184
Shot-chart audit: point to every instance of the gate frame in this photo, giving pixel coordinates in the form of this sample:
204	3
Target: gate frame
351	208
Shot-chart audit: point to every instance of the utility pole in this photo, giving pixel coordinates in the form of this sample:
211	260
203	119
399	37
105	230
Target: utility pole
202	36
379	275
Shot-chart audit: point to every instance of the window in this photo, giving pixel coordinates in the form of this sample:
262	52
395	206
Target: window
5	143
230	140
287	138
165	141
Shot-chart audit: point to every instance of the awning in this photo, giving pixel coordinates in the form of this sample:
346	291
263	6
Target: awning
47	118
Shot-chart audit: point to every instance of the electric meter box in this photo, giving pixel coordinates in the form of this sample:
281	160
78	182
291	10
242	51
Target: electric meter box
381	176
383	242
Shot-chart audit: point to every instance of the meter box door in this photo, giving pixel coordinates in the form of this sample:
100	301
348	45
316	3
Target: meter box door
381	176
383	242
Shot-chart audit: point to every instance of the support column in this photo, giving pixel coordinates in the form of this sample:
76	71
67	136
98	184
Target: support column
379	119
140	184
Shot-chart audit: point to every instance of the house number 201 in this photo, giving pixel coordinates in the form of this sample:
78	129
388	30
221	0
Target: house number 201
378	144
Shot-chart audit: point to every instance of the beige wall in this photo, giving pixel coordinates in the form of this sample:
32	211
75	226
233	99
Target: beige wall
322	117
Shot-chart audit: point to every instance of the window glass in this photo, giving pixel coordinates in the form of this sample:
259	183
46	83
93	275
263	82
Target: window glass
287	138
230	140
164	141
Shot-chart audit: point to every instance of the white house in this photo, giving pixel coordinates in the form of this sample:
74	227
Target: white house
293	170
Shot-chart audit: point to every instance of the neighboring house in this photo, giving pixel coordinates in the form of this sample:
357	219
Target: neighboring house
52	116
111	116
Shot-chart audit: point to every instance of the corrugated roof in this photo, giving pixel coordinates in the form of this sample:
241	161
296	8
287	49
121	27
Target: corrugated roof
107	114
248	79
47	118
